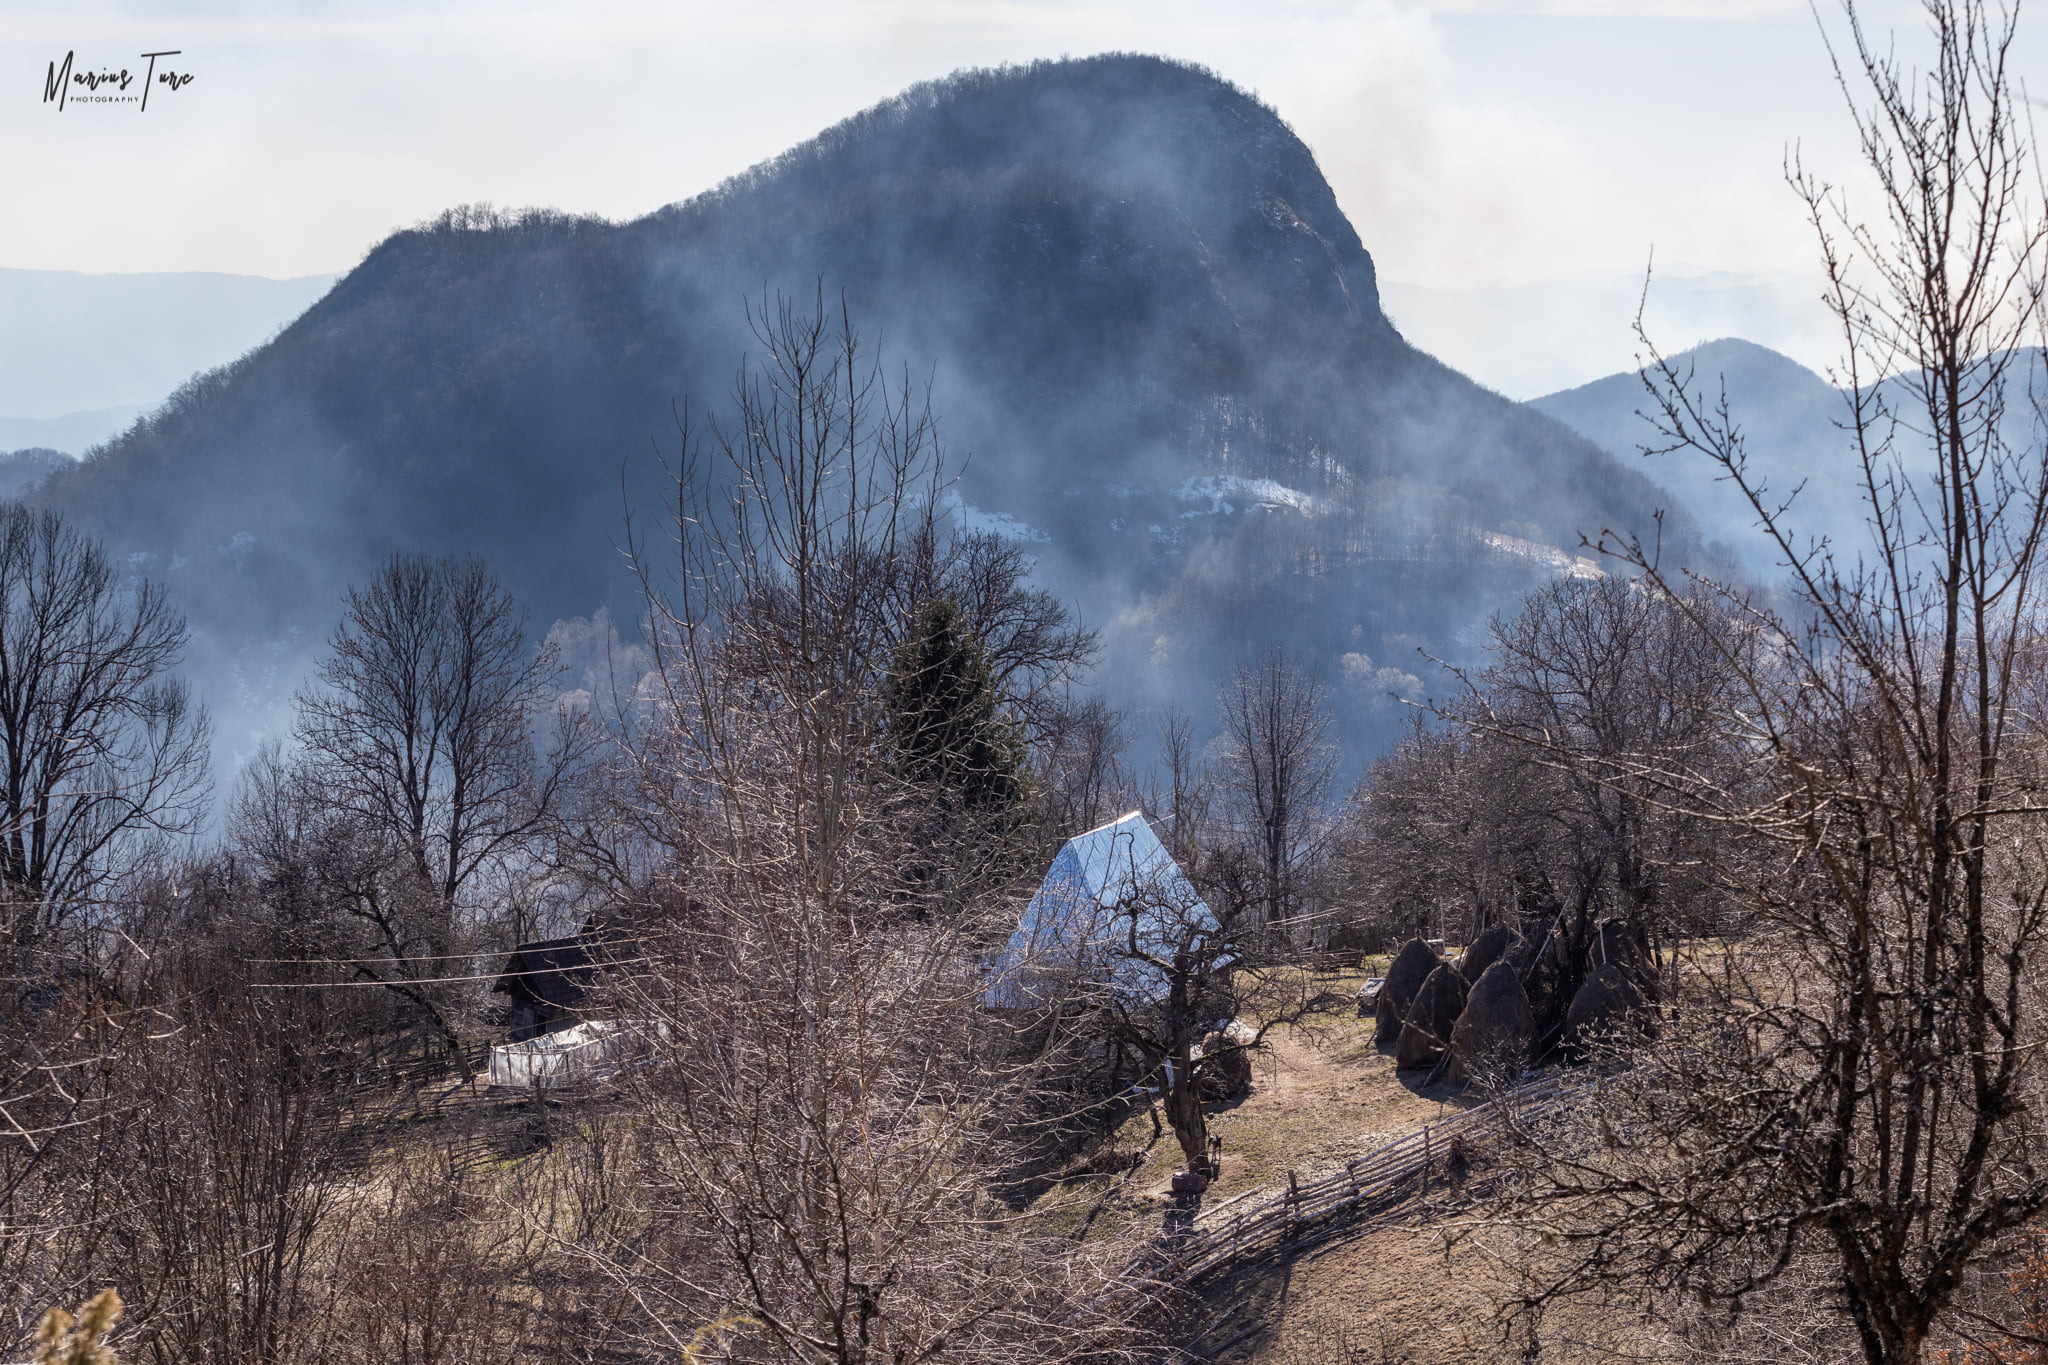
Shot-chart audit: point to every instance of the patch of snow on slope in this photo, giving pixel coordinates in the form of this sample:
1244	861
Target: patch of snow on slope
1549	556
1002	525
1218	489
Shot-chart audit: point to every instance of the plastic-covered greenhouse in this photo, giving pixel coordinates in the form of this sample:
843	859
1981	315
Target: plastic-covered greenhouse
1107	887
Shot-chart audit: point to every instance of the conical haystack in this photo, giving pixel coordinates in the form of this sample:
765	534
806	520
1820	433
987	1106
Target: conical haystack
1386	1021
1491	1038
1491	945
1412	966
1426	1032
1547	972
1606	1005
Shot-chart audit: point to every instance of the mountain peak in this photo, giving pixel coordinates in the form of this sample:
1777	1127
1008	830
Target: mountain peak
1123	125
1739	361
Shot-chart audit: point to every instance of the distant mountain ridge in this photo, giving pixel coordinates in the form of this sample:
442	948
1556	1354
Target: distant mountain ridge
1530	340
1149	323
1787	411
1794	425
74	433
73	345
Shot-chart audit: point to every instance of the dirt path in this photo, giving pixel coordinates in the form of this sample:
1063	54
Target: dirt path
1391	1292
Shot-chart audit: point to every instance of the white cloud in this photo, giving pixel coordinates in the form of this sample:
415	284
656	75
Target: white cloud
1475	143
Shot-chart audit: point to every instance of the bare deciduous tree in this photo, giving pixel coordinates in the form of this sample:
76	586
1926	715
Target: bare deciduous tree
103	756
420	724
1859	1080
1034	646
1189	793
228	1157
1277	769
1184	985
1614	670
824	1101
419	756
103	770
1082	778
1441	831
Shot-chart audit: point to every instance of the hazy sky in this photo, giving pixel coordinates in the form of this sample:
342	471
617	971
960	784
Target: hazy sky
1480	144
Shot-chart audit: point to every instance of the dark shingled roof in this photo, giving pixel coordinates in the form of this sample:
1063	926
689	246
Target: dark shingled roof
553	971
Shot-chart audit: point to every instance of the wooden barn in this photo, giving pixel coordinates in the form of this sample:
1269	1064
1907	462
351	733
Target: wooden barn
547	983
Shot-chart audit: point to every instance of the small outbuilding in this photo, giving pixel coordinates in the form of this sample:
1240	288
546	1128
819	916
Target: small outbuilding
570	1056
547	982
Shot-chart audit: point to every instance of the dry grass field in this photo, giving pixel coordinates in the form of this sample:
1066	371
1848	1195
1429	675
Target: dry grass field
1319	1096
1394	1289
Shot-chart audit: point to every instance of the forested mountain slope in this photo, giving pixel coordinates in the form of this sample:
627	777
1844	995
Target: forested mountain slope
1144	315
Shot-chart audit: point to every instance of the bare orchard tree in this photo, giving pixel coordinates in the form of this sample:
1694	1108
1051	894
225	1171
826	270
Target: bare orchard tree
1179	980
824	1104
1861	1078
1276	770
103	755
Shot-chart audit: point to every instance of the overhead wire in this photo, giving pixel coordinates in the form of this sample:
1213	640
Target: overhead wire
438	980
427	957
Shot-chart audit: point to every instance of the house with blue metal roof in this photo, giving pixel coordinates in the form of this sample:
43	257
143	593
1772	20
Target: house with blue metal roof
1112	907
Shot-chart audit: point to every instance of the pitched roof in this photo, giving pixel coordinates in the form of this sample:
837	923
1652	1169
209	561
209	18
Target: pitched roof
554	971
1111	889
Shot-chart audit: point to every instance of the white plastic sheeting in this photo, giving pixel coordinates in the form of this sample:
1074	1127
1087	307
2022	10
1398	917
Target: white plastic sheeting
1105	885
570	1056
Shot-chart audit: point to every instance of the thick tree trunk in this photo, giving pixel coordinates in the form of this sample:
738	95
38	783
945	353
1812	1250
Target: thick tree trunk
1891	1333
1182	1095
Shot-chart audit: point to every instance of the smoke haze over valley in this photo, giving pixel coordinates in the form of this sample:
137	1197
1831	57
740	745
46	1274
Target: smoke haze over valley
1157	353
814	684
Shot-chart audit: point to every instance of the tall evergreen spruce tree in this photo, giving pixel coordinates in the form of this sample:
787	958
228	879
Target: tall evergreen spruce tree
944	714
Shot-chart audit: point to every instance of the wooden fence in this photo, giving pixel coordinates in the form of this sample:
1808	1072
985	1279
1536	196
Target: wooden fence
1376	1179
